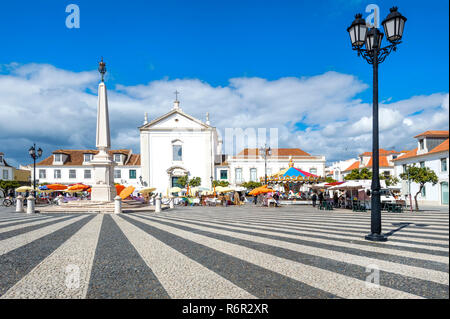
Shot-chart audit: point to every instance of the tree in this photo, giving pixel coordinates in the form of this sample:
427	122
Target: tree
6	185
194	182
390	180
330	180
220	183
421	176
356	174
251	185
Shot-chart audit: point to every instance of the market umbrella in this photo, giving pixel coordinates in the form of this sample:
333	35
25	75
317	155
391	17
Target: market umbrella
175	190
127	191
119	188
221	189
57	187
147	190
23	189
348	185
43	188
78	187
261	190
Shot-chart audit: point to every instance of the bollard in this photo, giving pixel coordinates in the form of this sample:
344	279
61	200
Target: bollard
19	204
158	204
171	199
117	204
60	199
30	205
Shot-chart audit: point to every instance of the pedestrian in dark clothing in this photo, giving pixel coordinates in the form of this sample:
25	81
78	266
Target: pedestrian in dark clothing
320	198
335	199
255	199
314	198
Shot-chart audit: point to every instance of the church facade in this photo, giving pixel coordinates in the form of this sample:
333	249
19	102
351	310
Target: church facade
177	144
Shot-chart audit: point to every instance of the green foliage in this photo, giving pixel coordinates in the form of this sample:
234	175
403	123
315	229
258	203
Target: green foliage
421	176
330	180
6	185
220	183
251	185
194	182
356	174
390	180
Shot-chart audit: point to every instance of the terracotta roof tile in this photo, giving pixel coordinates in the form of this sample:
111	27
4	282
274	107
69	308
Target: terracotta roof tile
76	157
441	147
381	152
355	165
383	162
433	134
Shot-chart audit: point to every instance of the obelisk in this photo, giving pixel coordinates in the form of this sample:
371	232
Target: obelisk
103	189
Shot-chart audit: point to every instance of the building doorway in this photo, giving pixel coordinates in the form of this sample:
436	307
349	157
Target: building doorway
444	193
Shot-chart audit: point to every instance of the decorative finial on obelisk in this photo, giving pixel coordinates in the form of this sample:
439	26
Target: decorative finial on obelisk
102	69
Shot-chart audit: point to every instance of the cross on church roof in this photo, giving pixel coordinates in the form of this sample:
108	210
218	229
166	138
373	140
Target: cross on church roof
176	95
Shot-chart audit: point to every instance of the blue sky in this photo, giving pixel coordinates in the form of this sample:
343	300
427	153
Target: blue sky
215	41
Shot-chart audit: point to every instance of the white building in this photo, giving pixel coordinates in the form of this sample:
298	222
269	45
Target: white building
336	169
431	151
249	164
177	144
73	166
6	171
365	160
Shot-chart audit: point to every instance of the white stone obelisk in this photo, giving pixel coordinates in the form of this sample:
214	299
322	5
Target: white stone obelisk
103	188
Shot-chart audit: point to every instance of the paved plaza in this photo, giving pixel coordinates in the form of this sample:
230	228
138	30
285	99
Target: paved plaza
223	252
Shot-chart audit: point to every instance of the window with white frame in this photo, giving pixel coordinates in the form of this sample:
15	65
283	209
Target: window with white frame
58	157
57	174
87	157
238	175
443	164
421	144
223	174
404	168
117	173
5	174
72	173
117	158
132	174
422	164
313	170
42	173
253	176
1	158
177	151
87	174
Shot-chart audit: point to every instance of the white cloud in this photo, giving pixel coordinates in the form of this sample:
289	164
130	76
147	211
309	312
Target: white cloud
57	109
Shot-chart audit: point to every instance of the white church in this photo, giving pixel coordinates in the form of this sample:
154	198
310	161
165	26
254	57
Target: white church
177	144
172	145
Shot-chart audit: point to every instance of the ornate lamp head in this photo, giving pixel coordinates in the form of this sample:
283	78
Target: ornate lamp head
102	69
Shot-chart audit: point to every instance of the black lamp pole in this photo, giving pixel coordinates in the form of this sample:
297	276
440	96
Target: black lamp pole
34	155
374	54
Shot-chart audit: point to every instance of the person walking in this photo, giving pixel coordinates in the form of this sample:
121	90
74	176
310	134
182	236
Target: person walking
320	199
314	199
335	199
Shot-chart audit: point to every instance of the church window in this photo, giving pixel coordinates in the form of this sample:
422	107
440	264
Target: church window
177	152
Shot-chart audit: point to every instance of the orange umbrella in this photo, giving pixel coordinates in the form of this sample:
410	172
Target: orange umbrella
126	192
57	187
78	187
261	190
119	188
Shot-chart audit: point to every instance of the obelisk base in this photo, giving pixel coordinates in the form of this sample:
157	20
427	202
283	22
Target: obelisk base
103	189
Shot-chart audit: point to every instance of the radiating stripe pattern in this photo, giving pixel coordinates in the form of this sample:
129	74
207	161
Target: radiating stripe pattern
224	252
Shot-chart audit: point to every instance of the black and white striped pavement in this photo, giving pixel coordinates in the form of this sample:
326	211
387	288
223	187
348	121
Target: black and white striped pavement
219	252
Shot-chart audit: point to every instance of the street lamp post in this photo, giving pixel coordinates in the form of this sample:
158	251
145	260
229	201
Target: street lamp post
374	54
266	152
34	154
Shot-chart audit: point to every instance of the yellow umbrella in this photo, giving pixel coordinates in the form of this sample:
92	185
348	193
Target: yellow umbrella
221	189
147	190
23	189
126	192
175	190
